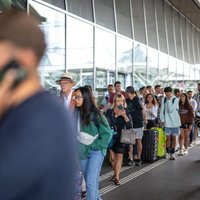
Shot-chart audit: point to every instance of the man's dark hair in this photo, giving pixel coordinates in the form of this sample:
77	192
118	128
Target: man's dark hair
117	82
142	88
110	85
130	89
189	91
168	89
176	90
157	86
148	87
22	31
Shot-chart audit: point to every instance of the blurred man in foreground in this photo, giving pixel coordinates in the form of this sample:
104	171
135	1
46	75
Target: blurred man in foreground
37	144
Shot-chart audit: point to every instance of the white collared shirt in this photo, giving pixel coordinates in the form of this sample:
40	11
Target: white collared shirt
67	100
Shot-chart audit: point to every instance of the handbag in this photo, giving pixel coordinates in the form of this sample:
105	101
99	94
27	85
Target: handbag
128	135
83	137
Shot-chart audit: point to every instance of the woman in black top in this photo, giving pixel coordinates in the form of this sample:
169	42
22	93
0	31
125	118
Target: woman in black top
119	121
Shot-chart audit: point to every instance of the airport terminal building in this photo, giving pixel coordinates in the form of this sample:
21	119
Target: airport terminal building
138	42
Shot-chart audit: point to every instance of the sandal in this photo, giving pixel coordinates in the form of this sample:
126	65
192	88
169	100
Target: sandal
116	182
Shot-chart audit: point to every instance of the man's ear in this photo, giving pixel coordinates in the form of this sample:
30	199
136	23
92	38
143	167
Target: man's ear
27	58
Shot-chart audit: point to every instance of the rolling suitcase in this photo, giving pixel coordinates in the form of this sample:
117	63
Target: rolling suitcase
161	142
149	145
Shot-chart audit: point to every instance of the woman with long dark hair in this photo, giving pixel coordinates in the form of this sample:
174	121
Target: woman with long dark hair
187	117
94	134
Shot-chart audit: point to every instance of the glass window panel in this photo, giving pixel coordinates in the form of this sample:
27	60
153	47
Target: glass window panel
192	72
172	73
105	50
6	4
83	77
125	59
105	13
123	17
178	35
163	69
79	45
170	29
152	67
52	23
185	39
58	3
48	79
140	65
81	8
138	21
189	29
197	72
124	55
161	25
53	62
195	42
151	24
101	78
186	71
180	75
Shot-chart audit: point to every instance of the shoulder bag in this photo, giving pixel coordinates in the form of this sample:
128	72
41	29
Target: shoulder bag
128	135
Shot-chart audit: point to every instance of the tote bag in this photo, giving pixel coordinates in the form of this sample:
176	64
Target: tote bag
128	135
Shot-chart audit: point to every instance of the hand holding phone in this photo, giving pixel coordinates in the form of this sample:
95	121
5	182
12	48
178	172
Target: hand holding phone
120	107
21	74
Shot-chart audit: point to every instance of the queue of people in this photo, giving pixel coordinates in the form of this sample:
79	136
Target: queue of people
47	142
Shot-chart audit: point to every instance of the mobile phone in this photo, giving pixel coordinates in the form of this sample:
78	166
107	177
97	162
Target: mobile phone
21	74
120	107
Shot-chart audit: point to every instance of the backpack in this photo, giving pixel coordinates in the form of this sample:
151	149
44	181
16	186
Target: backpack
165	100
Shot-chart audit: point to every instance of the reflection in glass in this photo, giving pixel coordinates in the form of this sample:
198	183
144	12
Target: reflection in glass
104	12
170	29
123	17
172	72
163	69
161	25
52	23
124	55
138	20
101	78
191	55
151	24
178	34
58	3
185	39
140	65
79	44
180	75
6	4
105	50
81	8
152	67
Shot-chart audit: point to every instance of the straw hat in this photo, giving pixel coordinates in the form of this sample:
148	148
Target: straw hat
66	76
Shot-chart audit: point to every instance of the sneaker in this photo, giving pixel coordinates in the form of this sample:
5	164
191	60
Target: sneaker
130	162
167	156
190	145
138	162
181	152
194	142
172	157
186	152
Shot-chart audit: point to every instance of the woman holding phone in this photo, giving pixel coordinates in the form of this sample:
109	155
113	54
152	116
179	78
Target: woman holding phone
119	120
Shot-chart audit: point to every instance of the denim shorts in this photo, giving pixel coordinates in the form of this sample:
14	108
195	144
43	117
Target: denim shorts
139	132
172	131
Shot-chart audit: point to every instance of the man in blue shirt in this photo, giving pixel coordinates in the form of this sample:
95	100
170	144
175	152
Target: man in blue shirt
38	158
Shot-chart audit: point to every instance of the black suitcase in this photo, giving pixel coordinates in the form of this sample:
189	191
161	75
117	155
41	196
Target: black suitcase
149	145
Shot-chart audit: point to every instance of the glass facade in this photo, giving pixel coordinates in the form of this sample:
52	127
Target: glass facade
138	42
